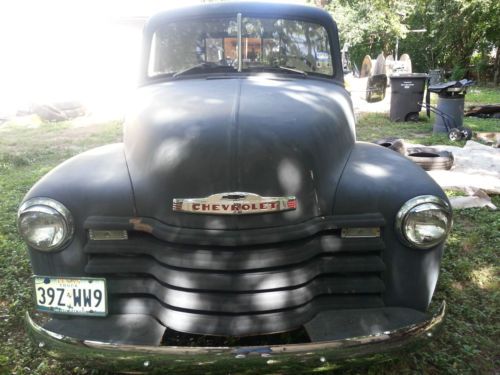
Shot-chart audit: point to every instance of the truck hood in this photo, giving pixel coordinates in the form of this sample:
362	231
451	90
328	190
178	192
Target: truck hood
267	135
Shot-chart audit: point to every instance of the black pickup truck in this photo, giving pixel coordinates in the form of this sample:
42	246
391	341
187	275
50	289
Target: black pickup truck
239	221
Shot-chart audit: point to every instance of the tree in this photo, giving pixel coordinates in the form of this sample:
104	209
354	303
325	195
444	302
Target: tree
371	25
456	30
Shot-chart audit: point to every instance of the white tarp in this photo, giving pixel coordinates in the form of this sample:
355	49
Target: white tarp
476	167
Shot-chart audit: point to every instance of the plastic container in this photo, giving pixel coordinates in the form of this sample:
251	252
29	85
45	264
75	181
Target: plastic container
407	94
451	98
453	106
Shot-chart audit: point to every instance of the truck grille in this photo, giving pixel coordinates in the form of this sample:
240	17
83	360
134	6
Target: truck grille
238	290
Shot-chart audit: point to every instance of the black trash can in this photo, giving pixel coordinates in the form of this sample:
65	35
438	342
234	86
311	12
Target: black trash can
450	106
453	106
407	94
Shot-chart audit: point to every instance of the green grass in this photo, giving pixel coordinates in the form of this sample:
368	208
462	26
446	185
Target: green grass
480	95
373	126
468	281
26	154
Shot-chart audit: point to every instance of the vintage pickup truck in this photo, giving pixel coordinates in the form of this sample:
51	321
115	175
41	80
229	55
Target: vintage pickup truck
239	221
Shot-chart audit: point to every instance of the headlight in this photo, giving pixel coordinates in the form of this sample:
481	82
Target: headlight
45	224
423	221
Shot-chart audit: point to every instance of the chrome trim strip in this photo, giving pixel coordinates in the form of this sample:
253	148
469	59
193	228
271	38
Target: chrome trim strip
360	232
138	358
108	235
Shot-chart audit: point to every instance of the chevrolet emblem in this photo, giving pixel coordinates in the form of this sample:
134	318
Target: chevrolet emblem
236	203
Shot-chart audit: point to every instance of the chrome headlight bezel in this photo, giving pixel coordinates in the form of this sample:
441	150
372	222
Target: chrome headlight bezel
413	205
47	206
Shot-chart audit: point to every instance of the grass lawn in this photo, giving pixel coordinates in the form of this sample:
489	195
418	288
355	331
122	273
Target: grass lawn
373	126
478	95
468	281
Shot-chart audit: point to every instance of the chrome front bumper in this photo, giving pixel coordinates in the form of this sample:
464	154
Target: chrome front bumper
223	359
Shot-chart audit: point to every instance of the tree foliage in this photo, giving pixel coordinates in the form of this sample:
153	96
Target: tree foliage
457	30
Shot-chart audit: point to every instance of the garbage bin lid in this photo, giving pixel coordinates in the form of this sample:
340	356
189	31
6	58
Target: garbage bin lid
442	86
450	86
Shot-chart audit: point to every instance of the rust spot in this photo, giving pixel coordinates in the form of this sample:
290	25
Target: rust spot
140	226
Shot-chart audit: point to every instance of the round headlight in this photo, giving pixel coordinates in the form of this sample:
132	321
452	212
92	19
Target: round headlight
423	221
45	224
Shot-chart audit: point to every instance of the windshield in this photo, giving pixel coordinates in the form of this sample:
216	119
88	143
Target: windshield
265	43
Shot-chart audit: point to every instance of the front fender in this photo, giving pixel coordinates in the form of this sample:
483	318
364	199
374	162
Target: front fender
378	180
95	182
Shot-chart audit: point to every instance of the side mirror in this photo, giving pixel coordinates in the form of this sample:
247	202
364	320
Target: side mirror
375	88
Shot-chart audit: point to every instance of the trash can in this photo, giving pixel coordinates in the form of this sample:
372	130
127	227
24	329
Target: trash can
453	106
451	98
407	94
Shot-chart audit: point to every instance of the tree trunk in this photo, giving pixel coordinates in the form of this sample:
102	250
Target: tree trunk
497	67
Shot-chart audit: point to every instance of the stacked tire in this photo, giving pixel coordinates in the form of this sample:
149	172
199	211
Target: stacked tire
393	143
428	158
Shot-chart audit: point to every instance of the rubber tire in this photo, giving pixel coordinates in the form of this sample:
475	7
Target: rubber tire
455	135
393	143
466	133
430	159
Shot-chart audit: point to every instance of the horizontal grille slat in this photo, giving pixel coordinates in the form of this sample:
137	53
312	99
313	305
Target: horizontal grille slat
239	290
239	258
236	281
244	302
241	237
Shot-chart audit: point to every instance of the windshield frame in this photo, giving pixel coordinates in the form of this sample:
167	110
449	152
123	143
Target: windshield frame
249	10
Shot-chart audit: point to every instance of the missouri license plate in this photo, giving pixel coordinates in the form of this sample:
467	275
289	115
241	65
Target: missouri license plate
68	295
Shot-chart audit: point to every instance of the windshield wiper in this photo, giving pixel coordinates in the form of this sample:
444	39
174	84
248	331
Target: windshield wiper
292	70
203	66
287	69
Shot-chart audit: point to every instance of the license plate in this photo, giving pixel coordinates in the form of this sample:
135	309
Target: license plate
69	295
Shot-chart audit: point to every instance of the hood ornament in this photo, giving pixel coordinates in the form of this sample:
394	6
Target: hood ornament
235	203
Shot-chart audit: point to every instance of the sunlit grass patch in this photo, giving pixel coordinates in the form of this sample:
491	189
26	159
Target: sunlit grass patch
477	95
486	277
374	126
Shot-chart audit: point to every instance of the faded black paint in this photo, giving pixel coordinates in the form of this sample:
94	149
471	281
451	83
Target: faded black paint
274	135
